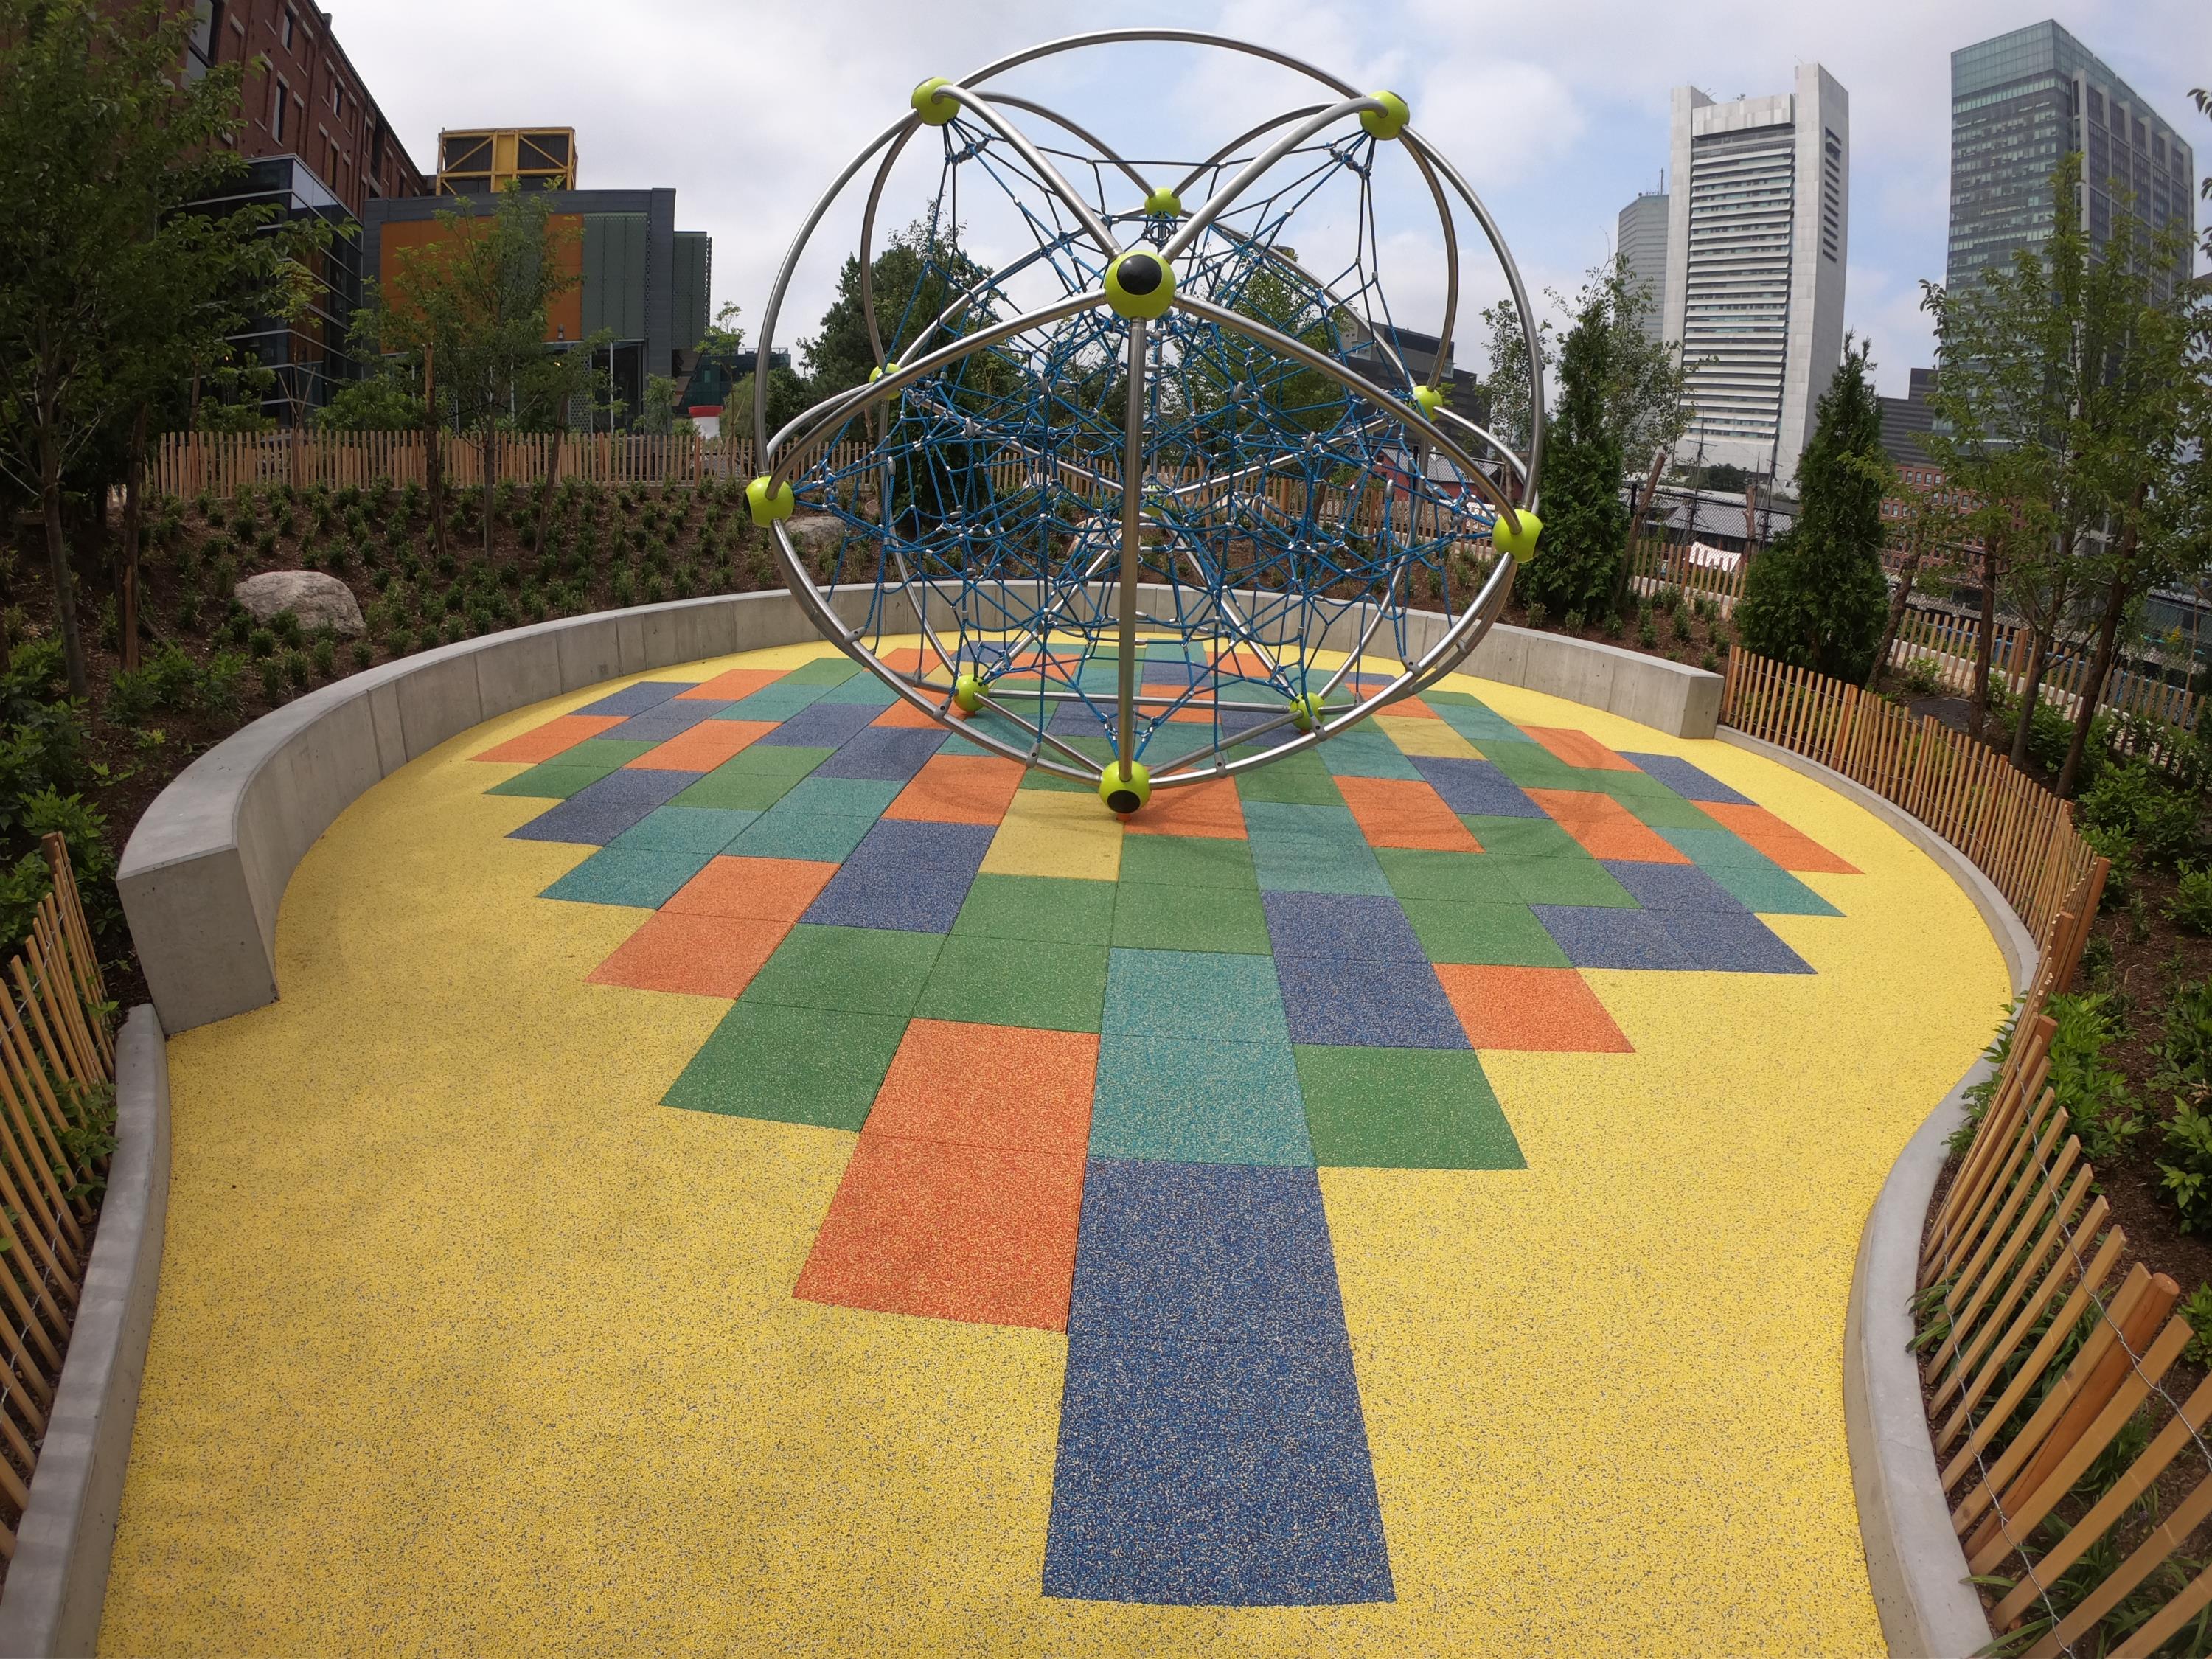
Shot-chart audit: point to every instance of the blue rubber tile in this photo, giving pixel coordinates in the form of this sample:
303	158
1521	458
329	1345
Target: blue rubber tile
1685	780
779	701
820	724
1198	1101
1772	892
1171	670
646	879
1193	994
683	830
1214	1252
839	798
1476	788
1364	752
903	901
1346	925
901	844
1605	938
1076	718
883	751
1372	1005
1673	887
668	720
636	699
814	836
1729	944
1223	1475
598	813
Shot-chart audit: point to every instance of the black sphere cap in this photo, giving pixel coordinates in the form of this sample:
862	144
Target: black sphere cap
1123	800
1139	273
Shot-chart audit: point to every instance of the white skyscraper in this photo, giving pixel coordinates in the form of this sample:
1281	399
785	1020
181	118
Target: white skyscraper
1756	246
1643	244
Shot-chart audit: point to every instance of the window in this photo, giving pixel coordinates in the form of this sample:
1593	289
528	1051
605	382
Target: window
285	28
277	119
335	182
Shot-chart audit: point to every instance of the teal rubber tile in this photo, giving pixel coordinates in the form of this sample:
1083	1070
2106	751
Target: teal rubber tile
1667	812
811	835
646	879
1198	1101
863	688
1473	719
1772	892
1035	984
1580	882
779	701
1049	908
1365	752
1460	877
1311	849
865	970
673	829
1184	994
822	671
1489	935
1712	850
842	798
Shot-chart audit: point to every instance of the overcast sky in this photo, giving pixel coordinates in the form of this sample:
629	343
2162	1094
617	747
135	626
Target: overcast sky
1555	109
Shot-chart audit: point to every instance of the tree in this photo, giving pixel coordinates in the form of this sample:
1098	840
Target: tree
912	282
1816	599
102	279
1933	529
1580	568
1505	389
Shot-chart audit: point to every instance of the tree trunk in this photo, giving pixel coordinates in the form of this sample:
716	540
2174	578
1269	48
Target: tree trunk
1624	590
1985	641
58	559
551	465
1896	618
126	583
433	460
2038	653
490	472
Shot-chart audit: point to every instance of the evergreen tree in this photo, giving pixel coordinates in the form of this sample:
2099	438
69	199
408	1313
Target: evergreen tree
1585	522
1816	599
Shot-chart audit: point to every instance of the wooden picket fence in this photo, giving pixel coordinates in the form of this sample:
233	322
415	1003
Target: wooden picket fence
1947	641
57	1063
2017	833
2046	1353
1654	564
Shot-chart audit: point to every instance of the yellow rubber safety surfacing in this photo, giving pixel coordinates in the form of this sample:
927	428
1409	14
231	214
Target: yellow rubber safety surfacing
1125	795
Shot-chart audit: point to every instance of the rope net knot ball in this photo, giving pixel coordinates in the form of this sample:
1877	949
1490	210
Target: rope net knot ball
1143	459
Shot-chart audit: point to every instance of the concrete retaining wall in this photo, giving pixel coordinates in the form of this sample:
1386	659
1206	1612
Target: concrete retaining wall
1914	1564
58	1579
205	870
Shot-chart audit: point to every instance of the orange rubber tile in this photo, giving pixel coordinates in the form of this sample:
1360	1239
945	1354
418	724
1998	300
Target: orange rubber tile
543	743
699	955
973	1233
1211	811
1578	748
1606	828
1791	848
990	1085
1237	659
1198	712
1412	707
735	683
1406	812
907	659
1533	1010
704	747
904	713
958	789
752	889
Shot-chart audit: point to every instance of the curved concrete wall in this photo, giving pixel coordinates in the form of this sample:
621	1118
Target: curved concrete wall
205	870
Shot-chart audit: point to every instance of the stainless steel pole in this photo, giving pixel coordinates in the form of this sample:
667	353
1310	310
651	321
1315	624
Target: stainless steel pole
1132	499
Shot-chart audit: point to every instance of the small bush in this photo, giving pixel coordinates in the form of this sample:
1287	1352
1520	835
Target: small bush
2095	1095
272	680
2184	1053
261	644
2191	909
2120	879
2133	799
1572	622
1921	678
399	642
1647	634
221	682
1709	663
298	673
325	653
286	626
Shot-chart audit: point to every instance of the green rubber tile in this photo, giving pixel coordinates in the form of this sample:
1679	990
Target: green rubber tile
674	829
1666	811
864	689
548	781
1534	767
1366	751
1566	881
1770	892
1301	781
862	970
774	760
1403	1108
842	798
1473	719
736	792
646	879
1187	861
1037	778
1464	877
777	702
1154	918
1185	1100
1523	838
1043	985
822	671
816	1065
816	837
1048	908
1491	935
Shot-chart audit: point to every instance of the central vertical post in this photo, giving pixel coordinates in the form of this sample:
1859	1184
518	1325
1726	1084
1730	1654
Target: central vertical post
1132	501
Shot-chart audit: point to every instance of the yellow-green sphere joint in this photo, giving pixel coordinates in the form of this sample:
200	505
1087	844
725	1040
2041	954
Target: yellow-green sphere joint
1520	543
1388	121
968	693
929	103
1125	795
1429	397
767	507
1306	711
1139	284
1163	203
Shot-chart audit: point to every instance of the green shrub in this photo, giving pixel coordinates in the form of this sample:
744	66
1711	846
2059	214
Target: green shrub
399	642
2191	909
2183	1055
2095	1095
2132	798
2119	880
221	684
363	654
261	644
1921	678
2185	1172
286	626
1647	634
272	680
326	655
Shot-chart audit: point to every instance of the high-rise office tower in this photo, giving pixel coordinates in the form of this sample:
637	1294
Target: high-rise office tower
1756	243
1643	243
2022	101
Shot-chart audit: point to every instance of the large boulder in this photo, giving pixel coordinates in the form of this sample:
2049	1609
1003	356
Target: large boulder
816	535
319	601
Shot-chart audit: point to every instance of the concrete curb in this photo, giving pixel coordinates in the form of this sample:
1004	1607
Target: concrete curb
1914	1564
58	1579
203	874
